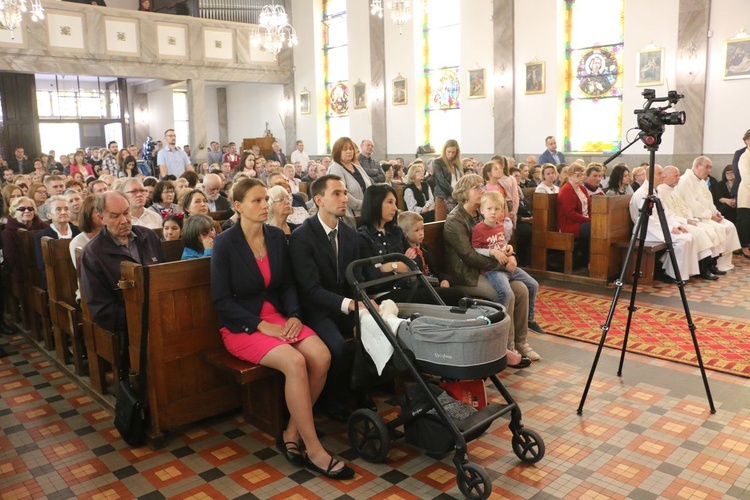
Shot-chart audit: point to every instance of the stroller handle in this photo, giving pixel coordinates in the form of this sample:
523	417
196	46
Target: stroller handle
378	259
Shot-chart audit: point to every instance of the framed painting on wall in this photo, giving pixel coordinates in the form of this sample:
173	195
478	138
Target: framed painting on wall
399	96
650	67
360	95
737	59
477	83
172	40
218	44
535	78
304	103
65	30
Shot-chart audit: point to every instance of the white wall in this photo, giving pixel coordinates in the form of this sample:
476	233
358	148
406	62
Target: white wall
250	106
358	22
727	101
648	22
477	119
538	115
404	123
308	73
212	116
161	113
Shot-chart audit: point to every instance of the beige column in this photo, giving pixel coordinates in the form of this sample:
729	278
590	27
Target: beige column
504	110
196	97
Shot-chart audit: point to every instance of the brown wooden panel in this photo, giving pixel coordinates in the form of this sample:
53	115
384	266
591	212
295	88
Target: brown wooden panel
433	240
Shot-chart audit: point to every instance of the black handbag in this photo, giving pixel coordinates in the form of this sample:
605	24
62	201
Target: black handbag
130	408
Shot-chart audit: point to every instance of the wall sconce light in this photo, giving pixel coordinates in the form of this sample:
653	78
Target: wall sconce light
501	77
690	59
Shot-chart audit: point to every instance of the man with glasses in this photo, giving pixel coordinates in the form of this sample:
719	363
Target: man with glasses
212	190
58	214
119	241
171	159
136	195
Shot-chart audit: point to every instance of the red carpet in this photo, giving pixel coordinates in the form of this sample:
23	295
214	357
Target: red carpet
659	333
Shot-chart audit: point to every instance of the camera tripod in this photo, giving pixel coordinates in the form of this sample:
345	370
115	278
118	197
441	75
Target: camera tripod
639	238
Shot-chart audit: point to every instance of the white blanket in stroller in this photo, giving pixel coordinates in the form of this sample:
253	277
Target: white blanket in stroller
373	339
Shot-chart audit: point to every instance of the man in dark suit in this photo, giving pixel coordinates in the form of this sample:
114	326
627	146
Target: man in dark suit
21	164
326	304
277	155
551	154
736	163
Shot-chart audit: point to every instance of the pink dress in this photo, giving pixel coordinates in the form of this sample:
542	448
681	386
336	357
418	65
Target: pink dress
252	347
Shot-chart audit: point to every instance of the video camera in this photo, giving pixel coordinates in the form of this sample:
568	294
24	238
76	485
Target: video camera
148	147
652	121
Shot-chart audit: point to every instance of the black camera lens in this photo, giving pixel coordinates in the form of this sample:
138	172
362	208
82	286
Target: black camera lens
674	118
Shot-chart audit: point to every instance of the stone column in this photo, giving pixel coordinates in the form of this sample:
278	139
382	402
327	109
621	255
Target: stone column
196	96
221	104
377	85
503	64
692	34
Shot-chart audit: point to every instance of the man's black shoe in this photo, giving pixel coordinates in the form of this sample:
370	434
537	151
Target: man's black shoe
6	329
334	411
718	272
708	275
363	400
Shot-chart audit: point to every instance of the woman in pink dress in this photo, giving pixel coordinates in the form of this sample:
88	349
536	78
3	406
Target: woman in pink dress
253	291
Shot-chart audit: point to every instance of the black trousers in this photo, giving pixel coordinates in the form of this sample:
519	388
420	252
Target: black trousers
743	226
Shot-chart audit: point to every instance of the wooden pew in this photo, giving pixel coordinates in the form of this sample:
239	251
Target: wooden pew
36	297
434	242
172	250
610	226
103	348
62	283
400	203
545	235
184	385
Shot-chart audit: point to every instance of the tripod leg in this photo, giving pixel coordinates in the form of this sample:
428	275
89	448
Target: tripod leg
611	313
641	230
685	306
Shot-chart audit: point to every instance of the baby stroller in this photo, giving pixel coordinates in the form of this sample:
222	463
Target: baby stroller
466	342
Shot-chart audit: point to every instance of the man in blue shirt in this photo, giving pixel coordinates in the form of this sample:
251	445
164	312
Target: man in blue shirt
171	160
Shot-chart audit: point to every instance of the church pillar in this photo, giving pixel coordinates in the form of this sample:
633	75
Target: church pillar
692	43
376	92
503	66
196	96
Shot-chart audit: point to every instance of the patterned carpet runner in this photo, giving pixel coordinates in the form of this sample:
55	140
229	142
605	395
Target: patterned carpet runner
656	332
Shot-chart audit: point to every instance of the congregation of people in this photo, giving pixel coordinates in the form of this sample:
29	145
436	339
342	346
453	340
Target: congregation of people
281	231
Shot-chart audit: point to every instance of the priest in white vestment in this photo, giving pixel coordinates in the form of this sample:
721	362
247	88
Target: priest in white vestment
693	190
682	241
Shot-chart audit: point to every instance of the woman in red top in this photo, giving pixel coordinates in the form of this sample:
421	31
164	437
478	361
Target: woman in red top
79	165
573	205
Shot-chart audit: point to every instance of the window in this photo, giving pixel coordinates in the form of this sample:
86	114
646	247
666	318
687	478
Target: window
593	107
181	117
335	70
442	57
70	97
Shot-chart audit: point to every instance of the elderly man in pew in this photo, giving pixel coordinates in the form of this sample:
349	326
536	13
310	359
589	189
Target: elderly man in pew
119	241
58	214
321	249
682	241
707	242
694	191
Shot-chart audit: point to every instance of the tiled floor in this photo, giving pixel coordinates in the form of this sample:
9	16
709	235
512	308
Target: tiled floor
646	435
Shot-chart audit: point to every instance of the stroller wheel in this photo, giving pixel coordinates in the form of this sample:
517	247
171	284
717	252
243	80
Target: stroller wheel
369	435
528	446
473	481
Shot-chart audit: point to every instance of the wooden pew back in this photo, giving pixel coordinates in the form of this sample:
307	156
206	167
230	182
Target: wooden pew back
182	388
434	242
610	224
36	296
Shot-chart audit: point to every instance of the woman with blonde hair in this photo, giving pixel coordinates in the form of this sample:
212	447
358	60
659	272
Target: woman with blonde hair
447	170
345	165
417	193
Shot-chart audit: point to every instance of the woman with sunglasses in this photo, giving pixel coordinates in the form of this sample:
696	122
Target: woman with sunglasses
22	215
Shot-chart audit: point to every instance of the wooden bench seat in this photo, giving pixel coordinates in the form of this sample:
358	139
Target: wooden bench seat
261	406
187	378
546	236
648	261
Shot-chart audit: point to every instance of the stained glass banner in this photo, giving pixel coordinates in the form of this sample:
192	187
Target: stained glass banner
445	88
596	127
596	23
597	72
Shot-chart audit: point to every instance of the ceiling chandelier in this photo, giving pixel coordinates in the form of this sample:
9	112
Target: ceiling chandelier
12	11
400	12
273	31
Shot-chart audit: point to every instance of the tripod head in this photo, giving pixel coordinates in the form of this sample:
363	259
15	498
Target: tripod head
652	121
